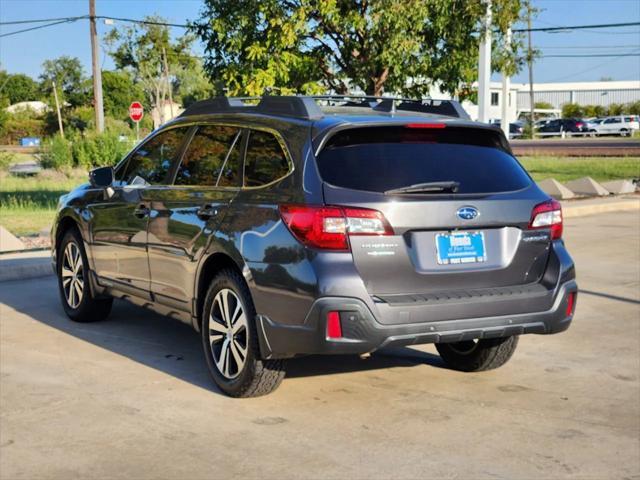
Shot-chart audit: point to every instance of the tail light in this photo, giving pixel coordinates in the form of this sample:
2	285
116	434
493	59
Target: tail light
548	215
579	124
328	228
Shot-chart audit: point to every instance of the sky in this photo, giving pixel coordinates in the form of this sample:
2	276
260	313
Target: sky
24	53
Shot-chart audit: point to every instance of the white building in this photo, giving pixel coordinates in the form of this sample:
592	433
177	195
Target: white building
582	93
556	94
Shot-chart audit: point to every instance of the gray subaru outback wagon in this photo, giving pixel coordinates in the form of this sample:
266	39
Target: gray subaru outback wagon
288	226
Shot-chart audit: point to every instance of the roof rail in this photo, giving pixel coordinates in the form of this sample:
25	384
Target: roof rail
288	106
307	107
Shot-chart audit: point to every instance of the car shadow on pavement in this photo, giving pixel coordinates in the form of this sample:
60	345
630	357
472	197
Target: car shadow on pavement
170	346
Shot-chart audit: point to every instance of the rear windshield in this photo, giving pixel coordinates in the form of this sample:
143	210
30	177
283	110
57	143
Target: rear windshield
383	158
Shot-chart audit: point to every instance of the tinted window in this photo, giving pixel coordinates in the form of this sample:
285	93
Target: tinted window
151	162
204	160
265	161
383	158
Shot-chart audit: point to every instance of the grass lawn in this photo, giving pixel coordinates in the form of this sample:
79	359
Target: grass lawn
569	168
27	204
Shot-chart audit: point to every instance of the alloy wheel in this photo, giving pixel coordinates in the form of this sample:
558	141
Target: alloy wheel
72	275
228	333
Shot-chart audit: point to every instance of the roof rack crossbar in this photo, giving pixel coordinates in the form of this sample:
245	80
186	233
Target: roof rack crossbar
306	107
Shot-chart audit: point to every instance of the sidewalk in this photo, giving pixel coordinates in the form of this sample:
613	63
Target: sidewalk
19	266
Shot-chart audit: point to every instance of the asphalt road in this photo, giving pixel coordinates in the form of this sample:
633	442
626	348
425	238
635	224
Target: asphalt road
130	397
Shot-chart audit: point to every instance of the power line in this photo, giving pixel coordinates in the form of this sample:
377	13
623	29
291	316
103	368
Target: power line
595	67
144	22
36	28
583	47
577	27
593	55
42	20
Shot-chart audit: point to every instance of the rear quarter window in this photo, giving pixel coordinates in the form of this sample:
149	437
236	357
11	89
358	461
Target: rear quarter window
265	160
384	158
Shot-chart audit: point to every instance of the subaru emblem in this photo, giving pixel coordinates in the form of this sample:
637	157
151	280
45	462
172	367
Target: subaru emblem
467	213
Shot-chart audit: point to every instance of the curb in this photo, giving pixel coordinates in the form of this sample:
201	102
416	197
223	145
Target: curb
572	210
22	266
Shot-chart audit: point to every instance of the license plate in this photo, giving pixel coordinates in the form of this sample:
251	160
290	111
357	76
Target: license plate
460	247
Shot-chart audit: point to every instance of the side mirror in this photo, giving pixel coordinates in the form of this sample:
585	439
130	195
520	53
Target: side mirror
101	177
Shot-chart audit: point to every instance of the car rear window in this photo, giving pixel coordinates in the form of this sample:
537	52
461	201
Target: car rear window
383	158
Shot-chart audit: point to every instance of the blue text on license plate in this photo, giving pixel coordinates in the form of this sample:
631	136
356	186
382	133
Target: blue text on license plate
460	247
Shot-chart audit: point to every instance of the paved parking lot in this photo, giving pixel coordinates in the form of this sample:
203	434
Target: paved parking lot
130	397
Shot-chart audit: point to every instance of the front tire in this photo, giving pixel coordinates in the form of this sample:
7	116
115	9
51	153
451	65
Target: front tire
478	355
73	282
230	340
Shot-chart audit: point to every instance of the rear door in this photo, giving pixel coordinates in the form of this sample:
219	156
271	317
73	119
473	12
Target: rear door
489	212
119	223
184	216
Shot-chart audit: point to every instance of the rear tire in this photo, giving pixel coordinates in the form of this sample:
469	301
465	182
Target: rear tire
478	355
230	340
73	282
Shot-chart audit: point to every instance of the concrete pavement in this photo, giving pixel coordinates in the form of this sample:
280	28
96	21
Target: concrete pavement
130	397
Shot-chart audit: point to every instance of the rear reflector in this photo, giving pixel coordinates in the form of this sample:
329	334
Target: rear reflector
425	125
328	228
334	329
571	303
547	215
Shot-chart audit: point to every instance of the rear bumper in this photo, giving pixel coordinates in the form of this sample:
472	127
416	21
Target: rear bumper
362	333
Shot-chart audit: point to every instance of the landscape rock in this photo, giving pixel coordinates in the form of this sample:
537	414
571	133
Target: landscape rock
8	241
555	189
587	186
620	186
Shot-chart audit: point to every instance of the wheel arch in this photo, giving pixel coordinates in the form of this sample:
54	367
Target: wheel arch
209	268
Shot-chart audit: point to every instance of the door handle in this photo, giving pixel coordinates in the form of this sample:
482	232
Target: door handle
207	211
141	211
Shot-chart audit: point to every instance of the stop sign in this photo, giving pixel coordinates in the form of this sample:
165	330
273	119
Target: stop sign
136	111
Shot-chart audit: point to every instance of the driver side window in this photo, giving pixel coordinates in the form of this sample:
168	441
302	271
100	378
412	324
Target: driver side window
151	162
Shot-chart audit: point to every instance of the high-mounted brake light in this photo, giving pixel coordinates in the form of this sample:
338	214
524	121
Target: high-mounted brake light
548	215
328	228
425	125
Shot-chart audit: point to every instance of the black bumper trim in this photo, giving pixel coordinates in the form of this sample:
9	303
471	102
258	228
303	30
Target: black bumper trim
363	333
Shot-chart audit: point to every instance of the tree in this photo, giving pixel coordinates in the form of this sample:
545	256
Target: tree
119	91
18	87
313	45
73	87
147	52
192	84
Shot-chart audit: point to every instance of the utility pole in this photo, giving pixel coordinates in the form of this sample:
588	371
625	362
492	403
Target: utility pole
95	65
506	86
484	68
55	96
532	118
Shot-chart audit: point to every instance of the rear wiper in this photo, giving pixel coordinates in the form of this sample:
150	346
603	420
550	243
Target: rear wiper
428	187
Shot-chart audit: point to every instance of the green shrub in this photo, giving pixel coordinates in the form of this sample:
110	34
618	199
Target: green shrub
24	123
572	110
97	150
6	159
57	154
